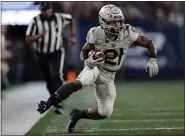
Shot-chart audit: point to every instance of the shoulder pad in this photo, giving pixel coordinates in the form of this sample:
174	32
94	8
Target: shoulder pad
132	32
90	36
95	35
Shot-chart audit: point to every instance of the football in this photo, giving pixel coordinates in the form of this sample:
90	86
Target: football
98	54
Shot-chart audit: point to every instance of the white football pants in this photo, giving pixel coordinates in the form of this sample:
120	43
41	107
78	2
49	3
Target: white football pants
104	88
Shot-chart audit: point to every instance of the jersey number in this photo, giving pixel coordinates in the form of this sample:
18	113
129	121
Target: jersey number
115	54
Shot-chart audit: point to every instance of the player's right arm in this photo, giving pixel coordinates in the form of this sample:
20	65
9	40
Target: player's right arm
30	33
89	60
90	45
85	50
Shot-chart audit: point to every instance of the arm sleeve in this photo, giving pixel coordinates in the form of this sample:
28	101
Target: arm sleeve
31	28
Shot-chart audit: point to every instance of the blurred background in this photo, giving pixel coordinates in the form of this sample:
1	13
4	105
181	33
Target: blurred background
162	22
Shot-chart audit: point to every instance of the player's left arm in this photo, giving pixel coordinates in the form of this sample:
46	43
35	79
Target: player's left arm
152	66
146	43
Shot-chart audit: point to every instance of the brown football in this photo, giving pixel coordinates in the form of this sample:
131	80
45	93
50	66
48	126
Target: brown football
98	54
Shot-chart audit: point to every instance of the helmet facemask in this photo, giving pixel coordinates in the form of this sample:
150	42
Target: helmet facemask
113	30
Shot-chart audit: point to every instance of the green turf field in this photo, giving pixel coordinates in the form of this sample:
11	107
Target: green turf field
141	108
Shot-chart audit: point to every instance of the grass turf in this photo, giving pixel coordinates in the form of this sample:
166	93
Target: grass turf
141	108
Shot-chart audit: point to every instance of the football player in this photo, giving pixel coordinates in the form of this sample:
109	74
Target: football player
113	38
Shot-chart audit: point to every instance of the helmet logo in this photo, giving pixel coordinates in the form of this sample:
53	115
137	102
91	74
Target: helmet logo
115	10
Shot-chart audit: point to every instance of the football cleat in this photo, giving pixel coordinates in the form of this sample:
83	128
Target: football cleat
42	107
59	109
75	116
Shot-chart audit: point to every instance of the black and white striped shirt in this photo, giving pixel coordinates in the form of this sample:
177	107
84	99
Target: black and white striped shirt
53	39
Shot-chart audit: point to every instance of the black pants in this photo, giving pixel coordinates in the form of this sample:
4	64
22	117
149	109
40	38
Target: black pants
52	68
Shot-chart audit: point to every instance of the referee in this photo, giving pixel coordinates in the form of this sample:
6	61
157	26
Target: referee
45	33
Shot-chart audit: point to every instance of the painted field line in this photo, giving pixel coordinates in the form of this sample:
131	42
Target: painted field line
154	109
125	129
79	134
145	120
149	113
131	129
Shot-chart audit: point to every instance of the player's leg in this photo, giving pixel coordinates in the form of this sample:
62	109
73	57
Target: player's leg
86	77
56	67
105	95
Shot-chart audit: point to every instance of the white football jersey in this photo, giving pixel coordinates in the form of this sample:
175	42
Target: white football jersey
114	51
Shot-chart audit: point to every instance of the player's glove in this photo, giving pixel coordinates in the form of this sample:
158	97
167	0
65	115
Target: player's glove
91	62
152	67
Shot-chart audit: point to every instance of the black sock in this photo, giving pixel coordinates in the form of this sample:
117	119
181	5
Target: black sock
66	90
53	100
61	94
84	114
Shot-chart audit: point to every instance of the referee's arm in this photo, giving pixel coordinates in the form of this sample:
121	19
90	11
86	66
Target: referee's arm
68	19
30	33
72	27
72	39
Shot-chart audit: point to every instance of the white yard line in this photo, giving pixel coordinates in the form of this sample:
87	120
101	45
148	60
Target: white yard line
126	129
144	120
19	108
80	134
154	109
53	129
94	130
131	129
149	113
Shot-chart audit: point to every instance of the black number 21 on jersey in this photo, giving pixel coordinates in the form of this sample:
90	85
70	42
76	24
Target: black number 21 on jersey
115	53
